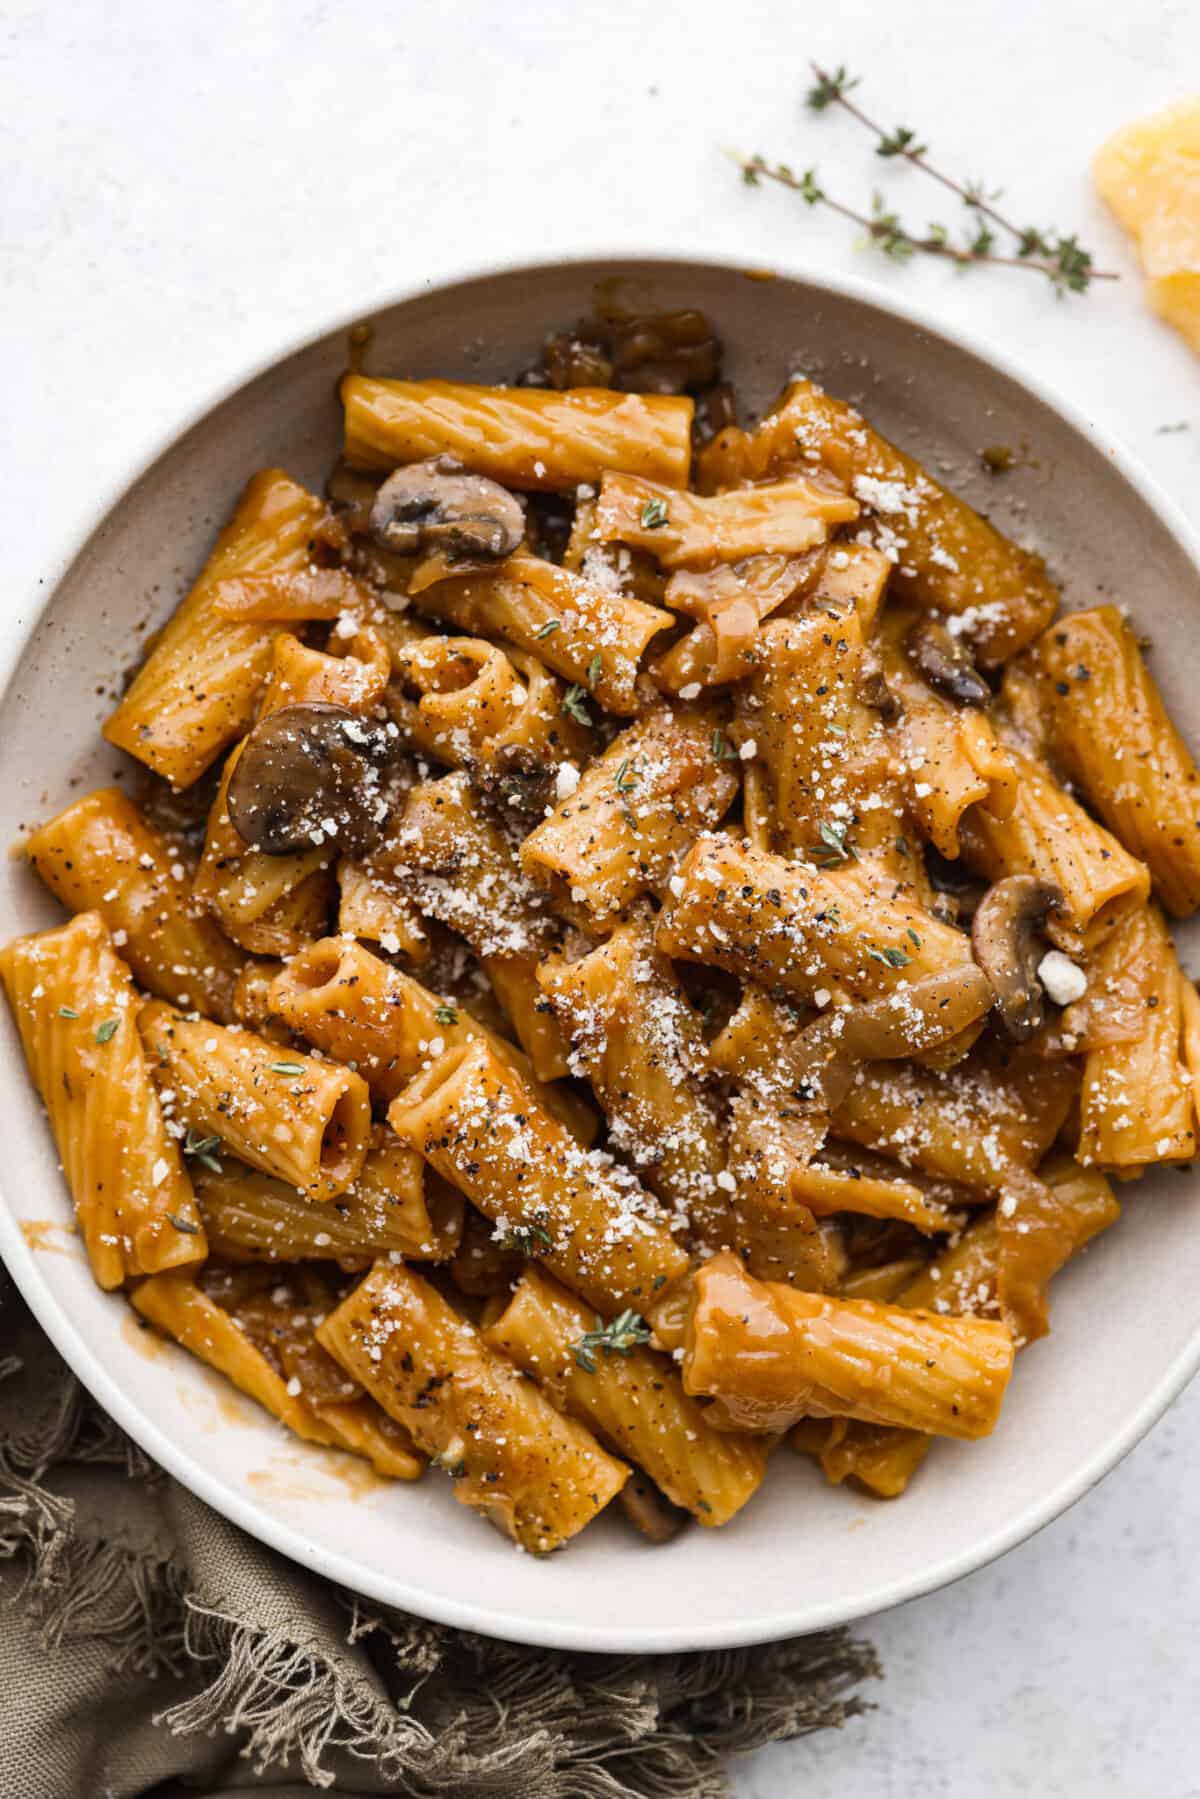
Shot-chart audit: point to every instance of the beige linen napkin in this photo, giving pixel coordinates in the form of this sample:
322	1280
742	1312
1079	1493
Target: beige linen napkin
149	1647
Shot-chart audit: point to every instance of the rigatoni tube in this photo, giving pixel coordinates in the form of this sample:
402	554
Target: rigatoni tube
1137	1104
196	690
307	1122
1048	834
527	437
474	706
533	1473
462	868
801	928
251	1217
687	530
637	807
768	1355
633	1399
360	1010
946	556
591	636
479	1126
641	1045
1137	772
76	1008
101	854
262	1339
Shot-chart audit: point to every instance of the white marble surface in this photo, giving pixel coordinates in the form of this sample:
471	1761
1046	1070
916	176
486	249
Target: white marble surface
190	185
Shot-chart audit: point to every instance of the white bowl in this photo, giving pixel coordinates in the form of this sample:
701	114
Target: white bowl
803	1556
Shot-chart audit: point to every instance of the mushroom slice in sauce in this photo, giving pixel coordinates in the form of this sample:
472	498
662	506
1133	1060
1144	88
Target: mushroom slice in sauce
920	1015
1005	936
439	505
650	1511
946	664
311	773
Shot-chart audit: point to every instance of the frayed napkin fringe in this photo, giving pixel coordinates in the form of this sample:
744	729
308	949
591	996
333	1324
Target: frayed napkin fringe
440	1712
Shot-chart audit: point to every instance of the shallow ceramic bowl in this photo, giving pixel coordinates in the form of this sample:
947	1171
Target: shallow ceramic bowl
803	1555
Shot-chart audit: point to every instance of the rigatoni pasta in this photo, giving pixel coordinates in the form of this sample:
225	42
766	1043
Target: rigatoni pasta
592	636
533	1473
946	556
253	1217
767	1355
1137	772
634	1401
615	833
640	1043
684	530
196	690
476	1123
305	1121
668	950
102	855
524	437
76	1008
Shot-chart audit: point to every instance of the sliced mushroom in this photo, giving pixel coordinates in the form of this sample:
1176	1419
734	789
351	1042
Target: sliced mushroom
311	774
920	1016
649	1511
1009	922
665	352
873	690
945	662
573	359
438	505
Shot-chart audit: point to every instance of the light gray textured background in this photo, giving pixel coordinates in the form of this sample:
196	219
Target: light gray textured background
188	186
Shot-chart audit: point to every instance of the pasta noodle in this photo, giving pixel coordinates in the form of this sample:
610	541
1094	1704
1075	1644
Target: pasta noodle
682	530
634	1401
196	690
101	855
1137	1104
595	638
358	1009
768	1355
462	869
76	1009
729	602
998	1111
251	1217
616	835
263	1341
826	757
952	756
533	1473
373	906
804	929
1048	834
1137	772
476	1124
525	437
945	555
473	706
305	1121
640	1044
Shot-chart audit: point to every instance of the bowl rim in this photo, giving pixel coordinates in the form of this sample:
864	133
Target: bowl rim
258	1521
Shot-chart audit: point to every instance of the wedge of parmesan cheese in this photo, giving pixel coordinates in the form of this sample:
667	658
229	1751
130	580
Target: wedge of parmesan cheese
1149	173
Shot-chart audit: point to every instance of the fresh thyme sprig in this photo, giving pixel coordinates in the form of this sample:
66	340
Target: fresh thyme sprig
832	848
527	1239
1060	257
204	1150
626	1331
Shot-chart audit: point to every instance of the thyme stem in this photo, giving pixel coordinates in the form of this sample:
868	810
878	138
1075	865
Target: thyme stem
1061	258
